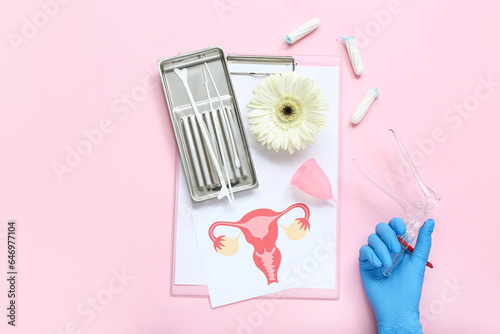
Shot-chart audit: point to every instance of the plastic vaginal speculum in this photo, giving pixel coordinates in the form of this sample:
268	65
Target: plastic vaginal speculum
260	229
415	198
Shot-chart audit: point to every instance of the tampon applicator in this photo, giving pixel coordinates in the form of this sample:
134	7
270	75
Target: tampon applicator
302	31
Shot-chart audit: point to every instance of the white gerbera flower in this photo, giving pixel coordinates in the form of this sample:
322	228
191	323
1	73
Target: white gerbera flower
286	111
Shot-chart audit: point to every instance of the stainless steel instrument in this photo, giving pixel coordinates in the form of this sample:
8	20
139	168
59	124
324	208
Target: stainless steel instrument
202	146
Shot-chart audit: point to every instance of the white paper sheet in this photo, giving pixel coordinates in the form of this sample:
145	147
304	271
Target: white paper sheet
274	171
237	277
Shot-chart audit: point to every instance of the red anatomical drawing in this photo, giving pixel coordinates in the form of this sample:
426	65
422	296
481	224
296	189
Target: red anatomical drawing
260	228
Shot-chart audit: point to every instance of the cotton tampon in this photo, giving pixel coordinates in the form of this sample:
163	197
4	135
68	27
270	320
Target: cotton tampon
364	105
354	57
302	31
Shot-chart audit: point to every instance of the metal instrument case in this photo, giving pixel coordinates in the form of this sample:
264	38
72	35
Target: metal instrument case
180	110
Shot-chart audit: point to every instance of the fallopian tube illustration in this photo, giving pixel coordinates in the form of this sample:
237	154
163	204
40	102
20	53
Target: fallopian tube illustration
260	228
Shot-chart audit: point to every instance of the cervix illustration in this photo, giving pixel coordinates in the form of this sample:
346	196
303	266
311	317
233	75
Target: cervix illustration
260	228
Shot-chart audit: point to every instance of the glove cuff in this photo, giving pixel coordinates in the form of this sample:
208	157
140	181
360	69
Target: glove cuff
407	323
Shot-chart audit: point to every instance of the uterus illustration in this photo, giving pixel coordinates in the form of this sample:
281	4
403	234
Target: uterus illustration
260	228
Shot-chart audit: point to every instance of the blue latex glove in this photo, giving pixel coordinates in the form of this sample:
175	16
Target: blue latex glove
395	298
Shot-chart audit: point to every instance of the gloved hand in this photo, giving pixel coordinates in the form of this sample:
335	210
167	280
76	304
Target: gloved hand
395	298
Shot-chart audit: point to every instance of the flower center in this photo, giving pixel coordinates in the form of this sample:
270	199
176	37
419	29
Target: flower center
287	110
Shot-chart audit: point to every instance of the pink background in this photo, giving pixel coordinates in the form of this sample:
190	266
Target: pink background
113	211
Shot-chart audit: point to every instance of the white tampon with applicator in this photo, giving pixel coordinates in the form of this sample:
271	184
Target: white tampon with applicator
364	105
302	31
354	57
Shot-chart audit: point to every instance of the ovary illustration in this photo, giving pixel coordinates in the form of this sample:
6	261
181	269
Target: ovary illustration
260	229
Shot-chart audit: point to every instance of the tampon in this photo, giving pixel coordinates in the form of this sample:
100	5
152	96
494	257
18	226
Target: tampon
354	57
302	31
364	105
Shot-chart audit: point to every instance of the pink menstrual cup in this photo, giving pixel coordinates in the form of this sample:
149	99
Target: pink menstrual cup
311	179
